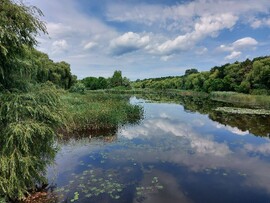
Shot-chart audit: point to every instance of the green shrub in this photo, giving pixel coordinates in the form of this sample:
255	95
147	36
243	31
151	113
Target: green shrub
78	88
28	124
260	92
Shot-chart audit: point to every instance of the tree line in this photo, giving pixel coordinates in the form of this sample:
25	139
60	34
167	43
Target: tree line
116	81
249	76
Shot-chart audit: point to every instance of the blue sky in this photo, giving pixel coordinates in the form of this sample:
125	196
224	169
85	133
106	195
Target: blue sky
153	38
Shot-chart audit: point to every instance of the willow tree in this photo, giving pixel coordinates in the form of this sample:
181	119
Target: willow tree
19	26
28	124
29	117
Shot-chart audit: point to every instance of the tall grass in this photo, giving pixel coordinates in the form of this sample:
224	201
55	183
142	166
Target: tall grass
175	92
99	111
257	101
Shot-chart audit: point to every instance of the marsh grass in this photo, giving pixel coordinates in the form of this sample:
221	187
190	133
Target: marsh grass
234	110
156	93
95	111
256	101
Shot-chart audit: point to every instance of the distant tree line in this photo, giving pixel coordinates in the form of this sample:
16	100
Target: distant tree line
246	77
116	81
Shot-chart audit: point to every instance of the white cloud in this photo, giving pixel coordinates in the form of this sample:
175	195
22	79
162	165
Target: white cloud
59	46
233	55
206	26
90	45
128	42
174	34
166	58
236	47
257	23
57	30
244	43
181	16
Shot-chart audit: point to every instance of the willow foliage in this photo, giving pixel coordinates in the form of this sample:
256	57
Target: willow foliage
19	26
28	123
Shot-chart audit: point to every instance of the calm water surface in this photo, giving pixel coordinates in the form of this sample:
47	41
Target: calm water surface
173	155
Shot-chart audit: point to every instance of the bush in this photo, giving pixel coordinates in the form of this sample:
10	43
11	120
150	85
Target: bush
260	92
28	124
78	88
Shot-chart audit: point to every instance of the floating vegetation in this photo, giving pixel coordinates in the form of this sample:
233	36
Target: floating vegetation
76	197
152	188
234	110
242	174
92	183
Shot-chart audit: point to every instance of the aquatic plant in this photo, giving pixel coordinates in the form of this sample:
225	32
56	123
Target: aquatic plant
96	111
235	110
243	99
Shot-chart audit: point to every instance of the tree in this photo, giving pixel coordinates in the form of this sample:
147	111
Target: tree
116	79
28	119
102	83
191	71
19	25
126	82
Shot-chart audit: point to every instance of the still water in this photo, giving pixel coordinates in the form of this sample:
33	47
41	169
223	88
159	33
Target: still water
175	154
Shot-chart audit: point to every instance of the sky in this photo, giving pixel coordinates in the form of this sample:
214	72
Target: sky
152	38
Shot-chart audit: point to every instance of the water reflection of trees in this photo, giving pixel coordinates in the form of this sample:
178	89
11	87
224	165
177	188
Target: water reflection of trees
255	124
107	135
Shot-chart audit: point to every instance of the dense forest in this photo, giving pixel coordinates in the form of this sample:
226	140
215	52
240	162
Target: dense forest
251	77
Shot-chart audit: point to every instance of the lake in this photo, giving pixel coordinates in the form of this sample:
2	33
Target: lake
181	151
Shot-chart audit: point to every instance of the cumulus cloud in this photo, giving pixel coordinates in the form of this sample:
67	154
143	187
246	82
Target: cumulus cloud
59	46
257	23
57	30
233	55
90	45
179	17
236	47
206	26
146	31
128	42
244	43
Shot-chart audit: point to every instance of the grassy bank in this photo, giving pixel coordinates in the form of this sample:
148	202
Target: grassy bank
99	111
238	99
256	101
156	91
